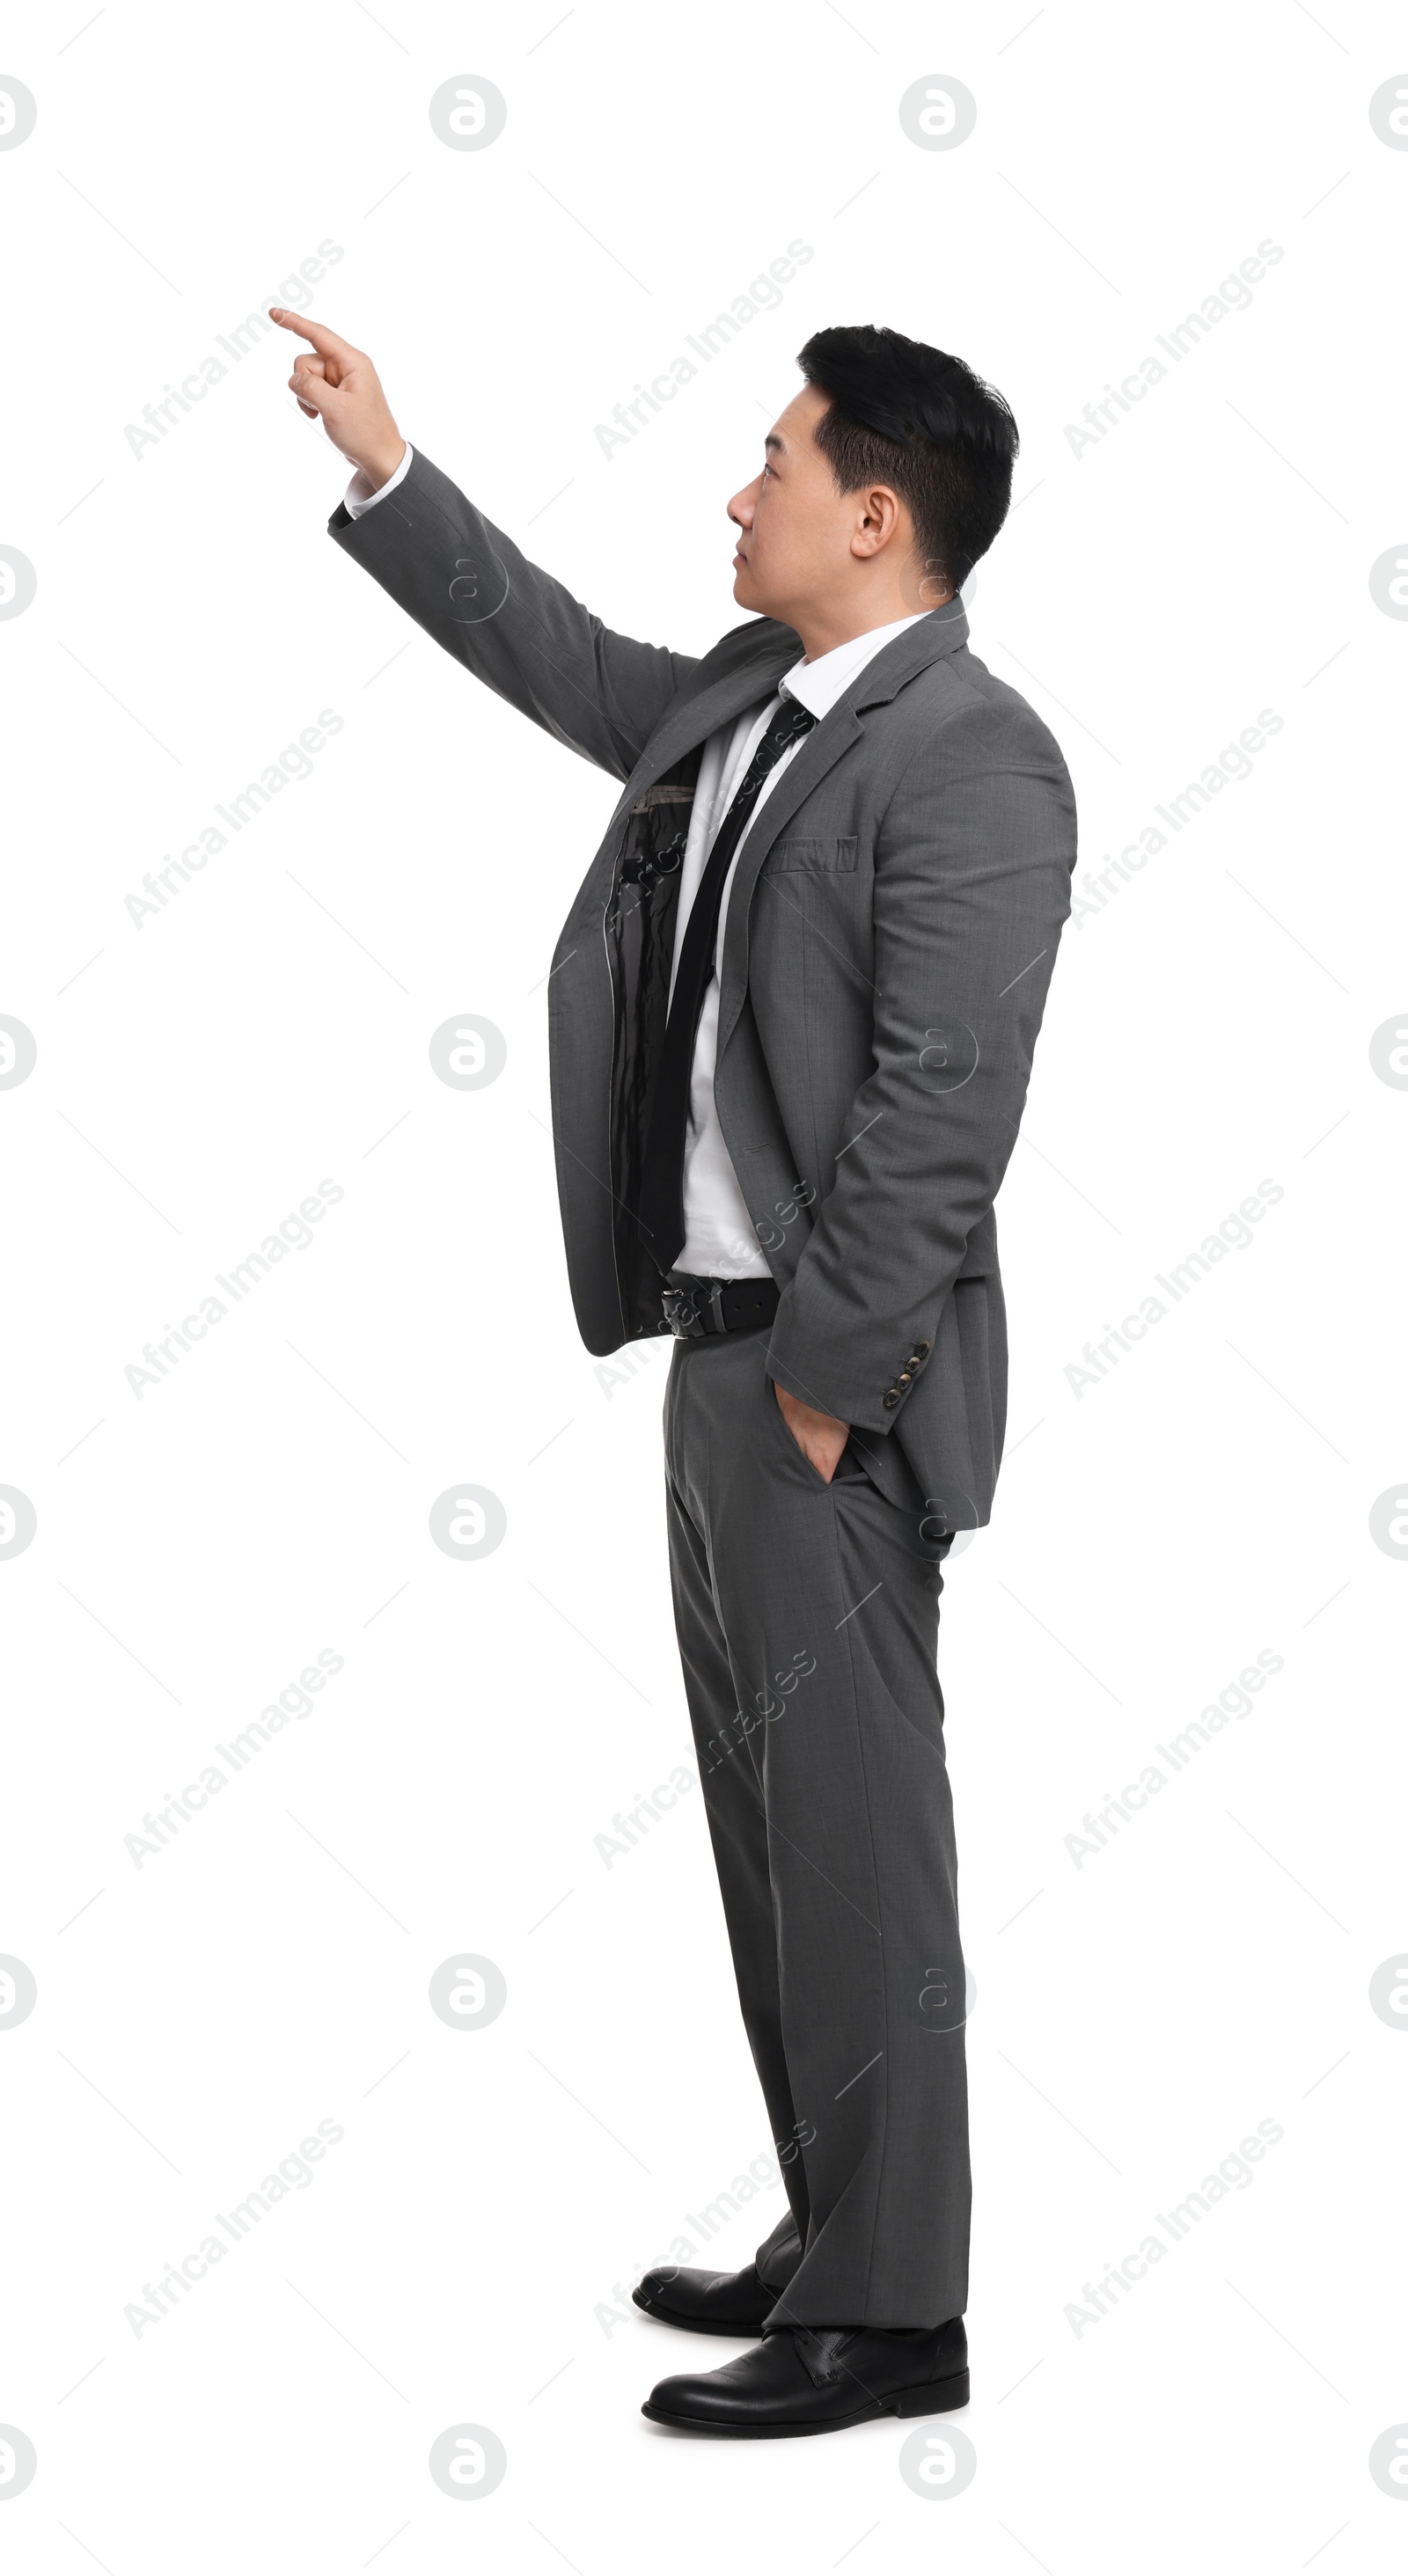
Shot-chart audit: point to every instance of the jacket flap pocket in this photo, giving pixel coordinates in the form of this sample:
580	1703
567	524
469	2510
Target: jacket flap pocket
817	857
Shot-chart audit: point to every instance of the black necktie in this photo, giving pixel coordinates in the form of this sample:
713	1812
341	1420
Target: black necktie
661	1209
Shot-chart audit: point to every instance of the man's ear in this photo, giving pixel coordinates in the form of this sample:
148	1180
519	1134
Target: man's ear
877	521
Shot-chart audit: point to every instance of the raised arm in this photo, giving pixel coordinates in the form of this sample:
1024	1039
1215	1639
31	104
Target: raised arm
466	583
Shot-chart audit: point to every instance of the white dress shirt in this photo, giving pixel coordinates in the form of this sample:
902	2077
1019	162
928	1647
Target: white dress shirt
719	1240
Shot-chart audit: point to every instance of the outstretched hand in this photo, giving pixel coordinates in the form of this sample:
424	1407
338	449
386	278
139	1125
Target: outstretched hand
339	386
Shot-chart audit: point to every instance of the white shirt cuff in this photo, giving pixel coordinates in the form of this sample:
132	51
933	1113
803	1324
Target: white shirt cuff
359	495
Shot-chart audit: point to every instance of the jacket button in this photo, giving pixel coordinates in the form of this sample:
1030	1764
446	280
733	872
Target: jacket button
890	1401
904	1378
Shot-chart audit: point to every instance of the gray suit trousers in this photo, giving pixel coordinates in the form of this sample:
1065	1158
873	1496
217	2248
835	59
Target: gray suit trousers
807	1617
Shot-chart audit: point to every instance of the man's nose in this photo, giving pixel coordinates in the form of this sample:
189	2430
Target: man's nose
740	508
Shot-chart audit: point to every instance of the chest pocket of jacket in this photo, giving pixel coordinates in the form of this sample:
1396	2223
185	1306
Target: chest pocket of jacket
813	858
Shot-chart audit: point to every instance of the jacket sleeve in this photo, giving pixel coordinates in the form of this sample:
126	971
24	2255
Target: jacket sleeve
972	885
513	626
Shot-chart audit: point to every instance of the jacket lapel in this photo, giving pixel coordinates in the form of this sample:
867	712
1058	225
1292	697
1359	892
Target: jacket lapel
881	680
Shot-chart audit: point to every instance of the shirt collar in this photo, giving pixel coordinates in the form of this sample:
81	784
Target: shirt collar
817	685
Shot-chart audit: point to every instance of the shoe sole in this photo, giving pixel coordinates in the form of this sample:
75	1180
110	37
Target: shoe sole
696	2325
940	2398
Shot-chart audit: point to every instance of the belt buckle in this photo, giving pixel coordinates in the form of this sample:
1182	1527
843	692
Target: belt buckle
681	1314
683	1310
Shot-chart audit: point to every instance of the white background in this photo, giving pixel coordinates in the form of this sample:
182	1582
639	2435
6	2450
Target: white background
462	2254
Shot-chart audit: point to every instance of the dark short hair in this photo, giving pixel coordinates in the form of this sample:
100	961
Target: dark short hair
922	421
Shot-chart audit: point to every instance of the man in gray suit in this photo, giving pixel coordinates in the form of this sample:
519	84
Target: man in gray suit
792	1016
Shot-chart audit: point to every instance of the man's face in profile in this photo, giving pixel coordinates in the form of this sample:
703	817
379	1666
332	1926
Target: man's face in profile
806	549
794	527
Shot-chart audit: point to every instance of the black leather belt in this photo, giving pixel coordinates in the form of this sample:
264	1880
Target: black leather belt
694	1307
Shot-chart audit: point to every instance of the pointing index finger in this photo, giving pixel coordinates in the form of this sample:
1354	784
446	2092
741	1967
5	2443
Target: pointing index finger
327	343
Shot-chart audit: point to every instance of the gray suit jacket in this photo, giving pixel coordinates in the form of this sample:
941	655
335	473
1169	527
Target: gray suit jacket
892	928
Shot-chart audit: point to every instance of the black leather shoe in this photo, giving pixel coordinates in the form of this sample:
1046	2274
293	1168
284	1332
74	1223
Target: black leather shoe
805	2379
726	2303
